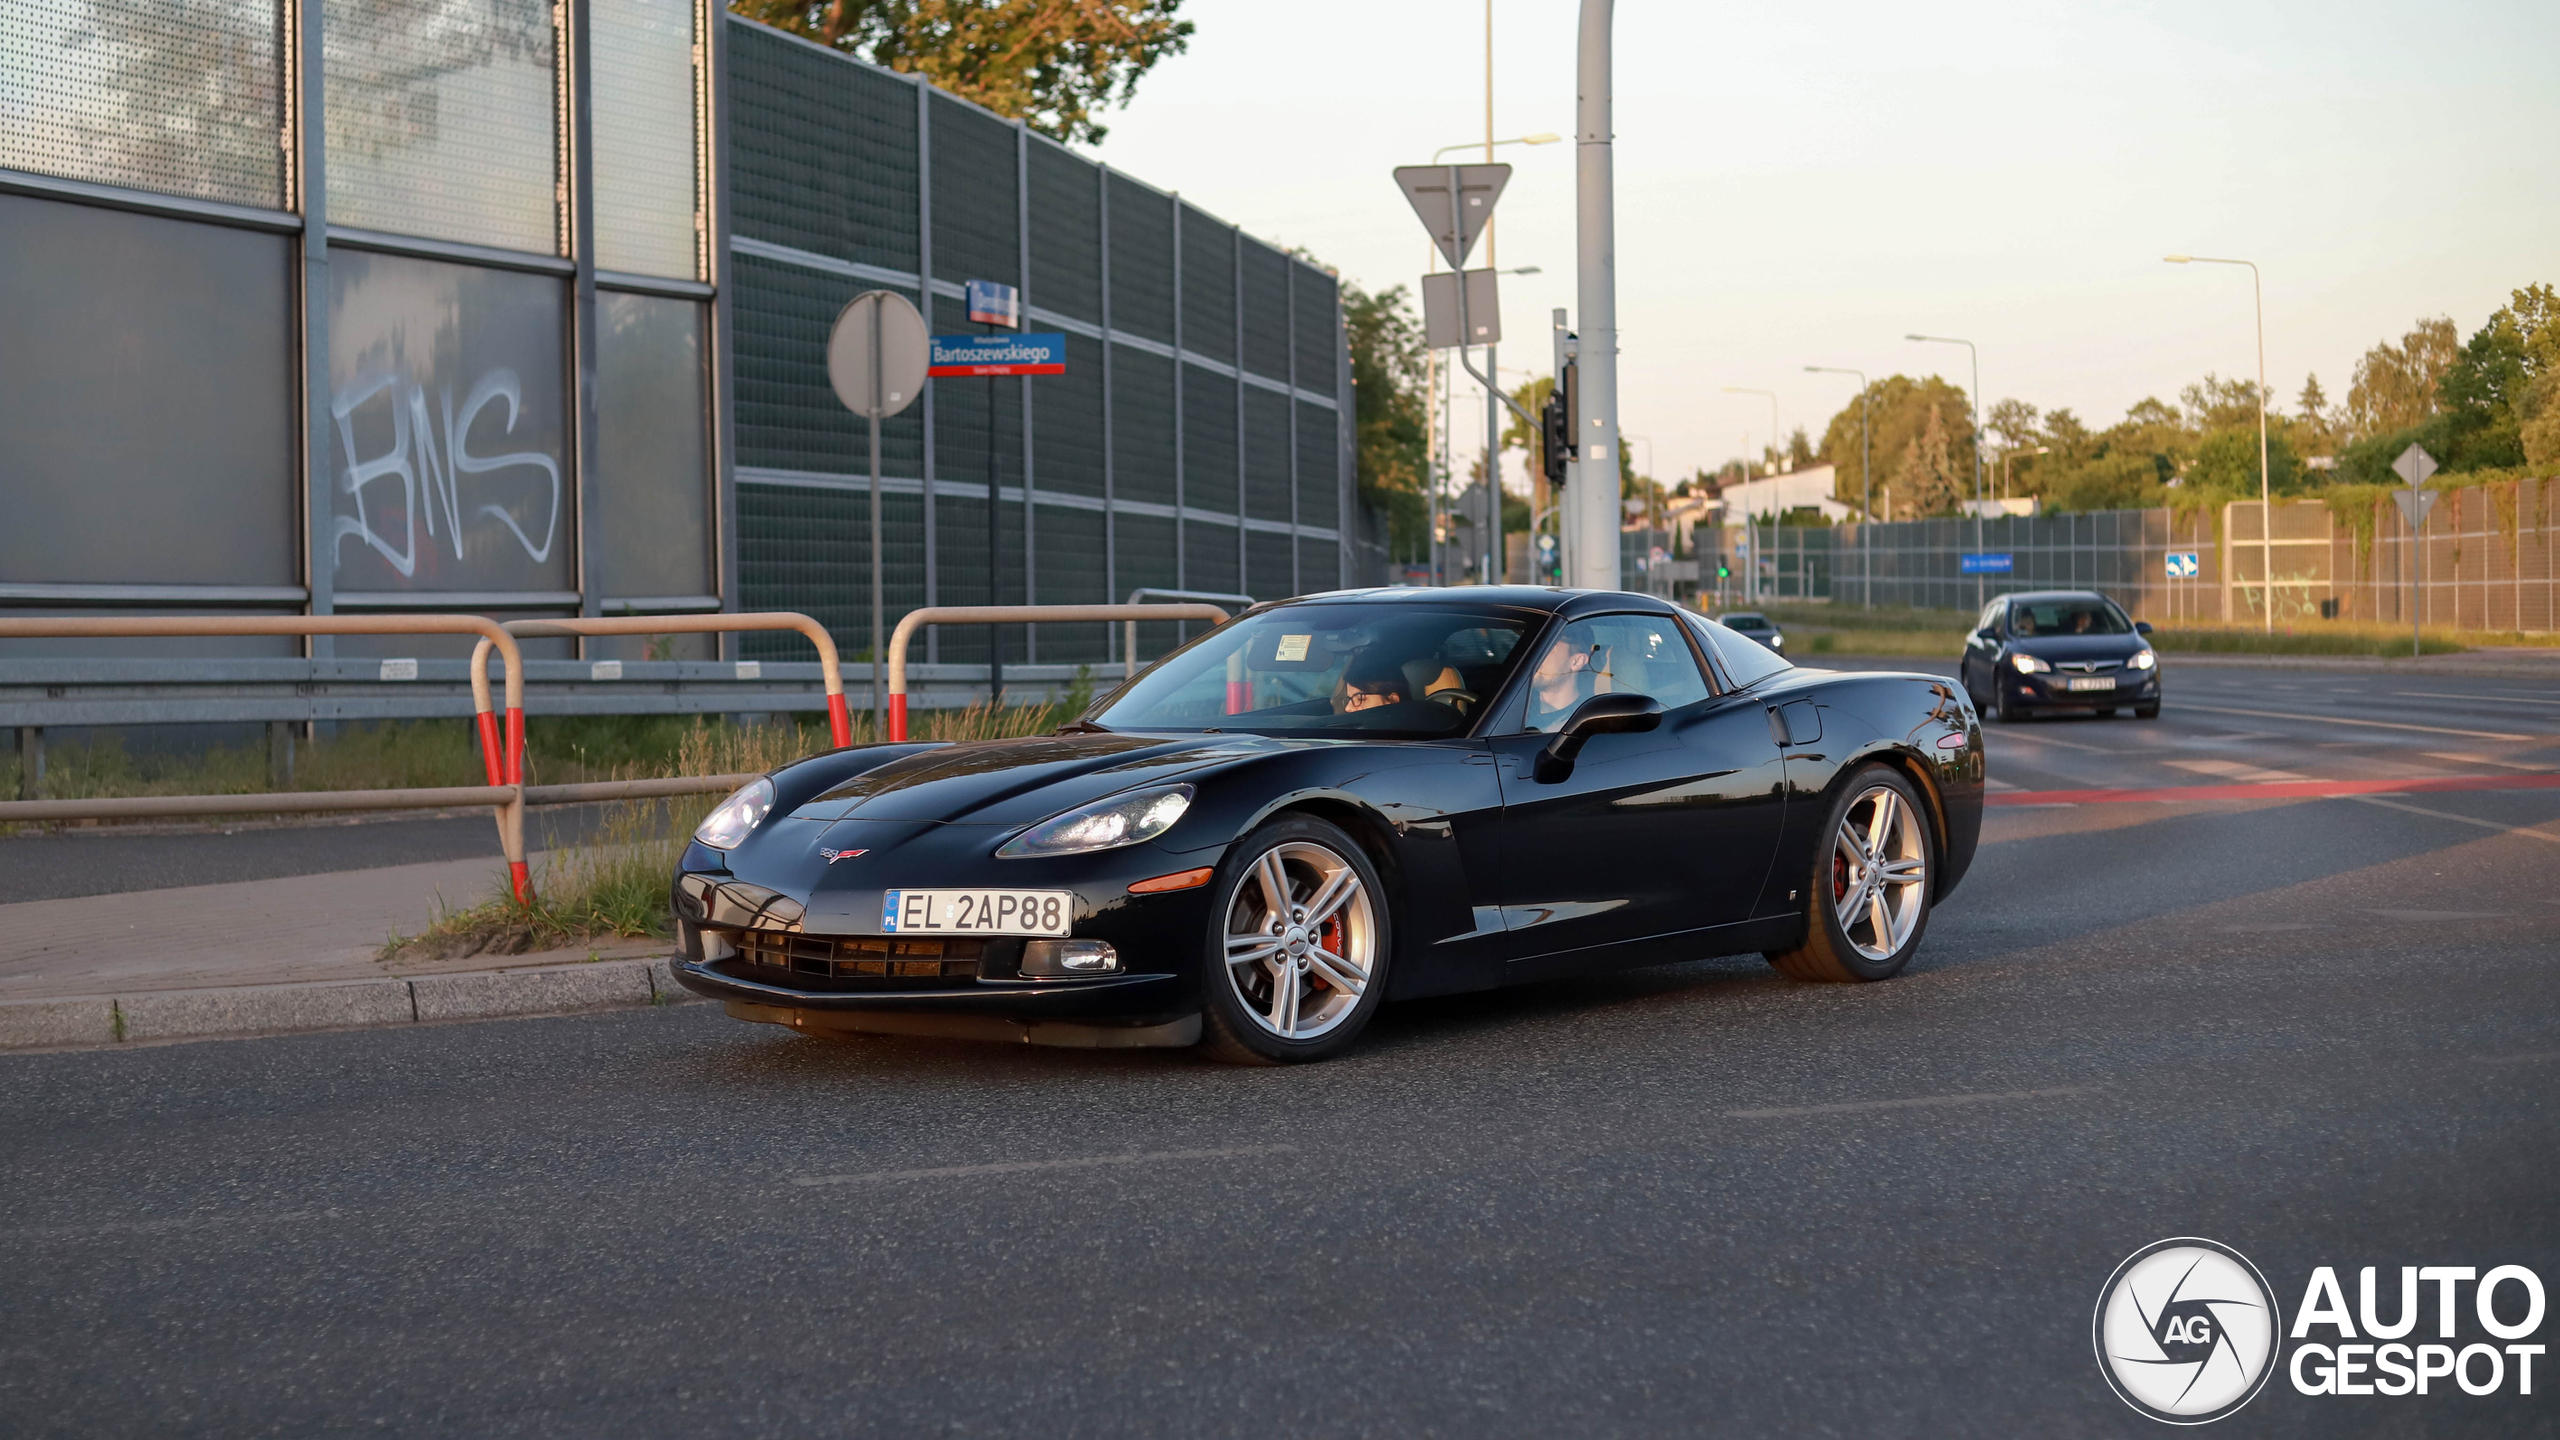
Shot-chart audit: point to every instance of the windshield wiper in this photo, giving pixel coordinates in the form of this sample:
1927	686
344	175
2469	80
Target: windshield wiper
1082	727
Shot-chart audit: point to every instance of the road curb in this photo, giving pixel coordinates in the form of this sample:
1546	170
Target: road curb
77	1021
2412	669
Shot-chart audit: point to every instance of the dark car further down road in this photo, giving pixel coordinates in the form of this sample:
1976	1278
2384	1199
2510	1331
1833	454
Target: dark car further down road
2051	650
1332	802
1755	627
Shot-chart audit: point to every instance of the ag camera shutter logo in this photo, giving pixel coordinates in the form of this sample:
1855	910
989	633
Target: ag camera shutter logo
2186	1330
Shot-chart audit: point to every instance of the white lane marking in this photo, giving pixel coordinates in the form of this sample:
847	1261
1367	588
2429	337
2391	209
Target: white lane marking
1020	1167
2481	760
2535	1058
2449	815
103	1229
2235	769
2424	916
1846	1106
2493	697
2366	724
2047	740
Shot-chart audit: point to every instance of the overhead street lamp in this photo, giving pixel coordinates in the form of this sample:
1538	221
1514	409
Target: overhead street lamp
1975	395
1866	477
2008	455
1543	137
2266	500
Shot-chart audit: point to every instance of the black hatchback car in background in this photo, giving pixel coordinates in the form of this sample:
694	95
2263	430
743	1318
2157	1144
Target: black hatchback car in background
2059	650
1755	627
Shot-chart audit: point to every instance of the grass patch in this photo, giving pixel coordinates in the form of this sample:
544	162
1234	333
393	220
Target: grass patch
2339	638
615	884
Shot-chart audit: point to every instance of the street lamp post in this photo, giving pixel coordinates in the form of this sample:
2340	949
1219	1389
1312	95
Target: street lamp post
1976	397
1596	304
1750	527
1866	478
2266	499
2011	454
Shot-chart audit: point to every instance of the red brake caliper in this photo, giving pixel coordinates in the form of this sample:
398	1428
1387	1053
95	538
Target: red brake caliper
1330	937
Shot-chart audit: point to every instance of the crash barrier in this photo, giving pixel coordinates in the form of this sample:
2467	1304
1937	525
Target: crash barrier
1129	649
1009	615
502	763
839	722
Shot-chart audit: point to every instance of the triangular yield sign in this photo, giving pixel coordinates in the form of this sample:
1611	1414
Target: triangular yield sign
1453	228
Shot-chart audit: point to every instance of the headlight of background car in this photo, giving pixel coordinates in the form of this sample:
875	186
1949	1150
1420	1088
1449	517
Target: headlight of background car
2145	659
2028	664
1103	825
1777	642
736	816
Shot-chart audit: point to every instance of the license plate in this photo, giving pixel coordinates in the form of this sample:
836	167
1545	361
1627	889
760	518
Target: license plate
977	912
2093	682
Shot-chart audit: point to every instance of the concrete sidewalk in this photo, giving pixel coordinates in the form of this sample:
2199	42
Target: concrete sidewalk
300	953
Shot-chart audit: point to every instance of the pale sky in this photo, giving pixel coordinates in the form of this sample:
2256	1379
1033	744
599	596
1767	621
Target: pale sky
1805	183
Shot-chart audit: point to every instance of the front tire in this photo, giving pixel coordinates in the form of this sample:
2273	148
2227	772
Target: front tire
2001	708
2147	712
1870	884
1298	946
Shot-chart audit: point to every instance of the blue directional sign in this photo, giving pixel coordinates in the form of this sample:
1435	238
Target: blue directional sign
2182	565
993	304
1040	353
1985	564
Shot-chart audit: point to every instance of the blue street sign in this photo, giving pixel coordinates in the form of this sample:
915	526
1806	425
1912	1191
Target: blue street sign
1042	353
2182	564
994	304
1985	565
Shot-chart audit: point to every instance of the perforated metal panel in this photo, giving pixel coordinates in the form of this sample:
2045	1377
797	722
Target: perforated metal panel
1209	441
647	200
1070	544
1141	260
1208	285
443	119
974	230
1318	335
788	417
1209	556
810	550
1319	468
1269	571
960	572
1266	454
1066	233
1146	548
1066	423
822	152
1266	310
187	99
1142	423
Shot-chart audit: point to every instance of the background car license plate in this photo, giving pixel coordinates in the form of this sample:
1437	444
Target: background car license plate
977	912
2093	682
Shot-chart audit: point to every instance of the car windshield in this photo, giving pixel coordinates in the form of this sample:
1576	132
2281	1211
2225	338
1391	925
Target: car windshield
2071	615
1390	671
1746	622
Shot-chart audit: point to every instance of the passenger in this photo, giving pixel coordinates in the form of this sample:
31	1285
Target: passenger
1371	680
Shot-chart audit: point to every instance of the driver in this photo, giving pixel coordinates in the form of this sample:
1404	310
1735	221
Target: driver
1563	680
1371	680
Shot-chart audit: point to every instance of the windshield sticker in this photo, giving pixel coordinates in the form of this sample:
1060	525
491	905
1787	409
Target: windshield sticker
1293	648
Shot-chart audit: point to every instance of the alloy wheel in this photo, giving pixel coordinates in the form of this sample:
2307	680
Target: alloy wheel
1879	873
1301	940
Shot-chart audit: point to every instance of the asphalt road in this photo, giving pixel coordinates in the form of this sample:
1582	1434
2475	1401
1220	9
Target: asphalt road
1691	1199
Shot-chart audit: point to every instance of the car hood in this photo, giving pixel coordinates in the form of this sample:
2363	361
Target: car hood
2078	647
1015	782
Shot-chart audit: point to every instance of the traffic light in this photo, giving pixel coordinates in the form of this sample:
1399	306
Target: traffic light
1554	436
1723	571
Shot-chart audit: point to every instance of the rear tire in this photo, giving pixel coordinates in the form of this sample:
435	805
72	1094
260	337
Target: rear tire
1297	949
1877	864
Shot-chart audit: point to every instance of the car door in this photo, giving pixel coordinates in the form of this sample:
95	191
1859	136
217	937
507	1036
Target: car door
1651	833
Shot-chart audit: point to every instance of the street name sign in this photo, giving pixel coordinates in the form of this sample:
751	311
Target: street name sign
2415	465
992	303
1453	227
2182	565
1993	564
1038	353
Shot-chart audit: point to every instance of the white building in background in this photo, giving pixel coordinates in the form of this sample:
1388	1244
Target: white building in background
1775	495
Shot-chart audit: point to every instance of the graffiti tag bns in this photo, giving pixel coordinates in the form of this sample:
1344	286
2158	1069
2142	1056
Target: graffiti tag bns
416	459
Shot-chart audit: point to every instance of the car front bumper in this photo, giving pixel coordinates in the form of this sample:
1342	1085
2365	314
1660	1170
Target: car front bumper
2049	691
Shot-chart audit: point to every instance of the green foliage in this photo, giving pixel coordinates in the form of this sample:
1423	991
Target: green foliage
2227	460
2115	481
1391	414
1901	412
1052	64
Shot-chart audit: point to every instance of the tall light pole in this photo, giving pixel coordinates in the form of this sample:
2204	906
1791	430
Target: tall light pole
1595	565
1866	477
1975	395
2011	454
2266	499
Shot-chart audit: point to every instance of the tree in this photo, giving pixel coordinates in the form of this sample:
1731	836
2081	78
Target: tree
2227	460
2320	428
2214	403
1799	451
1900	408
1934	475
2015	423
2395	385
2070	439
1391	414
1052	64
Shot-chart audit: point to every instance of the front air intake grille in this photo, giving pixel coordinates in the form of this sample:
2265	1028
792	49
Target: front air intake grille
868	962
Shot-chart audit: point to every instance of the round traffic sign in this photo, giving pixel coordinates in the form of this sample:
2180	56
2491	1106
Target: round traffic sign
877	354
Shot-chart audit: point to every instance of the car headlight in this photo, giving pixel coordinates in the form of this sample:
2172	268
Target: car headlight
2145	659
2028	664
1777	642
733	819
1103	825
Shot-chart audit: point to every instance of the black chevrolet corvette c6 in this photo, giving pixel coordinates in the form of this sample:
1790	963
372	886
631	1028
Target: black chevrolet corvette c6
1332	802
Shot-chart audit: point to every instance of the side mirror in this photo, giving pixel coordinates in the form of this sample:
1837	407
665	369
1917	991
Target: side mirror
1599	715
2141	627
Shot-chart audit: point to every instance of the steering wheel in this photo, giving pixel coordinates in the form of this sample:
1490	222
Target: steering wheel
1462	701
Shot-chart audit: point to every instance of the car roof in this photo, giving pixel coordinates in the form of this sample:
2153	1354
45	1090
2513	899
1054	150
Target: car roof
2053	595
1739	615
1542	599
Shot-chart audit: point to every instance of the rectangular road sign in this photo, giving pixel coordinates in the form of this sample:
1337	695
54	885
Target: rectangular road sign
1994	564
2182	565
2414	505
1440	310
1039	353
991	303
